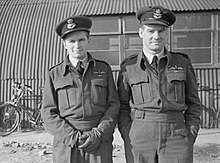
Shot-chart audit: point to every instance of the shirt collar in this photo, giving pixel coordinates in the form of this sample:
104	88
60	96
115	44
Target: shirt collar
85	61
74	61
149	57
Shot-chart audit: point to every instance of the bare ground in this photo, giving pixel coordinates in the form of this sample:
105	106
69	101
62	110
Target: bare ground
35	147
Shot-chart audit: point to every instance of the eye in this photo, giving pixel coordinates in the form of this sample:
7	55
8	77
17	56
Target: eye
162	30
150	31
70	41
82	39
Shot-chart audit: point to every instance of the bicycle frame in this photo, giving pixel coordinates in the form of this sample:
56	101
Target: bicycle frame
15	101
22	108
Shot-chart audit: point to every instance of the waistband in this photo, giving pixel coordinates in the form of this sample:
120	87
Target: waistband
84	125
168	116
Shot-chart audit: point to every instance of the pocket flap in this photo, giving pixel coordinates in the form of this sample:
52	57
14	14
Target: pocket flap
62	83
178	75
138	80
99	82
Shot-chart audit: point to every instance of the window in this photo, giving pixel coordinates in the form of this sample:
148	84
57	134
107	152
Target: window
105	48
196	33
105	42
133	44
131	24
107	24
192	35
132	41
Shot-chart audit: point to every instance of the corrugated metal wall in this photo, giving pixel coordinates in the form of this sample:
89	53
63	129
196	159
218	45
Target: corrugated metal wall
28	42
103	7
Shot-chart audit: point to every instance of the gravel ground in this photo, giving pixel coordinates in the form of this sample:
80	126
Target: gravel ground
35	147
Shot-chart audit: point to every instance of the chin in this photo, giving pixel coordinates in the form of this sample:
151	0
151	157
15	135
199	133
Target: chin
75	55
155	48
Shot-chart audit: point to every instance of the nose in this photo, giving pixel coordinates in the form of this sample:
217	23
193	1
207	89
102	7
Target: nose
76	43
156	35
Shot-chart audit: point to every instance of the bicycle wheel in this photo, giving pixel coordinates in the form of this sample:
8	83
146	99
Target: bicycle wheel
9	119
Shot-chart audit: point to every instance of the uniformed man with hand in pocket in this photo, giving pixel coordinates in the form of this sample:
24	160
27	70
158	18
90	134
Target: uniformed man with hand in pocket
159	88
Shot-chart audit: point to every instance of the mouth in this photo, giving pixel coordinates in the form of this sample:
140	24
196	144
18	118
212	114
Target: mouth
156	43
76	50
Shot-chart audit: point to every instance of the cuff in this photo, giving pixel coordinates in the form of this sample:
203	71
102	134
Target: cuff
98	133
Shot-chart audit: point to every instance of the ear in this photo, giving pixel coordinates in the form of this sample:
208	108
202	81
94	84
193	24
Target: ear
64	43
89	40
141	31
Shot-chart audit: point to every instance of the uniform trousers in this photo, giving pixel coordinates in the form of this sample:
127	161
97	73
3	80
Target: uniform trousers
103	154
160	138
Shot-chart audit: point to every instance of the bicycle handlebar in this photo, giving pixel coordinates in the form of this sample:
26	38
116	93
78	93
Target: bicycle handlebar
22	87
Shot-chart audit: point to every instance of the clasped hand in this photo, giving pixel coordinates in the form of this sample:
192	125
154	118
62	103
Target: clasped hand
89	141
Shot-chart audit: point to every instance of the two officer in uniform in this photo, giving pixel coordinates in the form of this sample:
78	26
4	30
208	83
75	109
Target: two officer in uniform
158	87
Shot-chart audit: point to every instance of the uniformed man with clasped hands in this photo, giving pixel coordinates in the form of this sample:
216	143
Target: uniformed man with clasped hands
159	88
80	100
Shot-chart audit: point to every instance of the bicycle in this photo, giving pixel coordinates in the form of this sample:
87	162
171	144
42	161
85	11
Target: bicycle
11	111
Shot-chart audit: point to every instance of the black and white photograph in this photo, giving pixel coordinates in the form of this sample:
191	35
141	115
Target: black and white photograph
109	81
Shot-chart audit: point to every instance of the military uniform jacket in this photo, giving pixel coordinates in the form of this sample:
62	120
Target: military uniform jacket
172	88
72	101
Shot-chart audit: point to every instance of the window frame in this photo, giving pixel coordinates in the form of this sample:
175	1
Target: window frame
122	34
118	34
212	34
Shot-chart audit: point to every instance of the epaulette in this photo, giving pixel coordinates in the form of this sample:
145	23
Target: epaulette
129	58
55	65
182	54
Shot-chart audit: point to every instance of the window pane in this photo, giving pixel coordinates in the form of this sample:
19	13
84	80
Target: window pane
197	55
133	45
104	43
131	23
111	57
192	39
133	42
192	21
131	52
104	24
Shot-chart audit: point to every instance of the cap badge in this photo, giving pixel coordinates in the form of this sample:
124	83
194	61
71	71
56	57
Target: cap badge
157	14
70	24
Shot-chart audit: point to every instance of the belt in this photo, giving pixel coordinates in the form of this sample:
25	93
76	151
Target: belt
83	125
168	116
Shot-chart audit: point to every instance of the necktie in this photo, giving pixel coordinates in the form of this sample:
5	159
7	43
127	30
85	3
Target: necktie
154	63
79	67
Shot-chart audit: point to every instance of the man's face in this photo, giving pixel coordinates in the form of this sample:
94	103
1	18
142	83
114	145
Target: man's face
76	44
154	37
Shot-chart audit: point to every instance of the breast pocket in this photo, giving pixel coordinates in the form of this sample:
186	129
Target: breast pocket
68	94
99	91
176	85
141	90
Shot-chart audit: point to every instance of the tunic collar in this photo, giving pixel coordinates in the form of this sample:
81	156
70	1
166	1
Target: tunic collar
144	61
